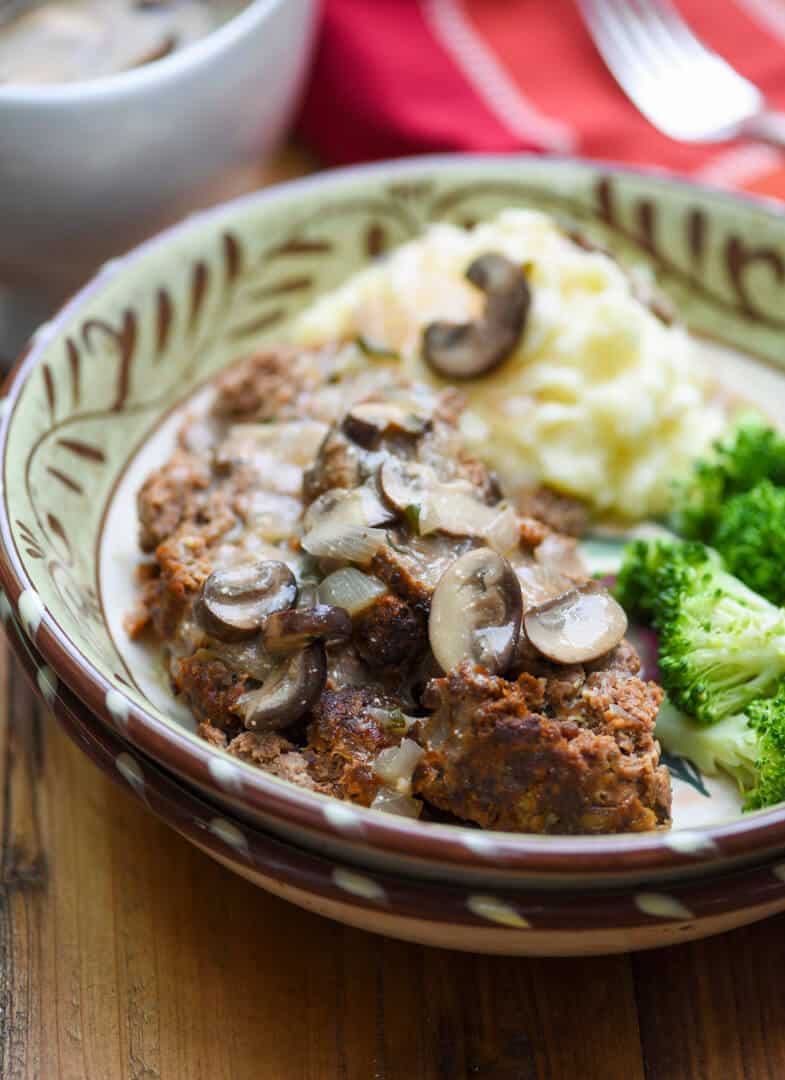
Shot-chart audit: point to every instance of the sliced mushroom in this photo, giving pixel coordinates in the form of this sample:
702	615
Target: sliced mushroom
405	484
581	624
368	421
476	612
450	509
430	505
235	602
540	584
465	350
286	631
291	688
342	507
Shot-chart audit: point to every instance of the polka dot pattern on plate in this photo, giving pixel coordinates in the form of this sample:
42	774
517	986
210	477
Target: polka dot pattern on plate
31	611
342	817
225	773
117	706
662	906
497	911
479	842
130	769
358	885
47	683
690	842
229	834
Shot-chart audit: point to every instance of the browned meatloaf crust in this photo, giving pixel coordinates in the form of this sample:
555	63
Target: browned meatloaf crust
525	756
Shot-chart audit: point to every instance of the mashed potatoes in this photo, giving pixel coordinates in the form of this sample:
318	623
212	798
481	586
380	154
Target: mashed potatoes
600	399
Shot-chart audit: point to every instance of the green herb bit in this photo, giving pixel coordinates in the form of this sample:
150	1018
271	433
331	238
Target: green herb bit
411	516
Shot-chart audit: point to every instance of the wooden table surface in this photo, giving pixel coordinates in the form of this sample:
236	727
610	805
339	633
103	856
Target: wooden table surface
126	953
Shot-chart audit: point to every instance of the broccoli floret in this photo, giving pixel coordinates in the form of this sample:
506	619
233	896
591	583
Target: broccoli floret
752	452
750	536
730	746
652	575
767	720
721	645
750	747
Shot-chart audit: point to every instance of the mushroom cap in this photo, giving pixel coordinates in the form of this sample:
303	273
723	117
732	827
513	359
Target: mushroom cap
234	602
581	624
367	421
466	350
476	612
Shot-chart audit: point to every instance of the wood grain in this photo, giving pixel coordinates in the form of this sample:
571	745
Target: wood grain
125	952
128	953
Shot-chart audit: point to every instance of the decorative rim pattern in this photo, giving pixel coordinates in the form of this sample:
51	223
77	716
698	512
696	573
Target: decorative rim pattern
243	847
601	857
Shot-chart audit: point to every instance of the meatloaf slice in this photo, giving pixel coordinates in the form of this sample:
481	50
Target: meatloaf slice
276	755
262	387
346	736
495	756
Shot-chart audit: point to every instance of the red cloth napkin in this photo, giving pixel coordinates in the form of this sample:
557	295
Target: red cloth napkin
397	77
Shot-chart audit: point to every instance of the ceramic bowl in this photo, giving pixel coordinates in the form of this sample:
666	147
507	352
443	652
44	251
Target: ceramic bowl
510	922
89	168
89	409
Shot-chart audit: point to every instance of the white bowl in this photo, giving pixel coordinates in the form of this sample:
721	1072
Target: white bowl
89	168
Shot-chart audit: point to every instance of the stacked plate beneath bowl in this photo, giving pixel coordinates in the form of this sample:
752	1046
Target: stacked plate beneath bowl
83	418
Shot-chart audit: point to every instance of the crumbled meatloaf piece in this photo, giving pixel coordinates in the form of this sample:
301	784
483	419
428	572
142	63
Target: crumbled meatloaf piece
182	567
389	633
346	736
562	513
169	495
533	532
213	735
278	756
622	658
263	387
495	756
211	690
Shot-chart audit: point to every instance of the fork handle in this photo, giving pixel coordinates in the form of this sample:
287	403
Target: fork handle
768	126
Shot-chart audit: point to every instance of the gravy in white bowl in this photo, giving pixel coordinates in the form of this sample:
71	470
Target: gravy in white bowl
71	40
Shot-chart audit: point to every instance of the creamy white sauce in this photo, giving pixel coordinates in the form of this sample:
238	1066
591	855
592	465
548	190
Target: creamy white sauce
69	40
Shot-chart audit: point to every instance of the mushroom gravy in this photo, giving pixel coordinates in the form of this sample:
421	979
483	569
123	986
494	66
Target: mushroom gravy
345	598
54	41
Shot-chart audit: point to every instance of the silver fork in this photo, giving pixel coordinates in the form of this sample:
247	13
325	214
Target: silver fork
683	88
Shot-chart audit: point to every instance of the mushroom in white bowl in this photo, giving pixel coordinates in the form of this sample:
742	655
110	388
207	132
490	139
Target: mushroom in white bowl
89	167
